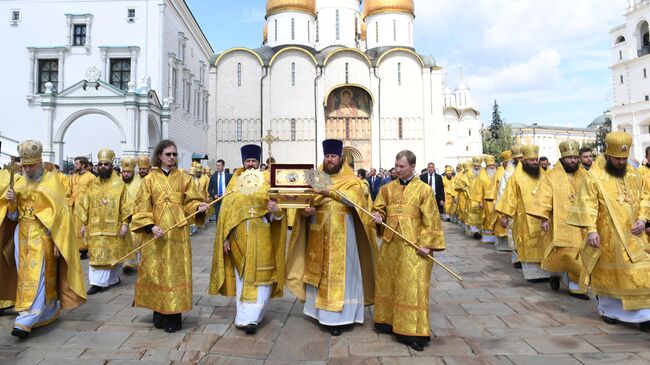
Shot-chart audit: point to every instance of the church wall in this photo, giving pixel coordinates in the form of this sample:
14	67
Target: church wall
359	71
395	29
304	32
348	12
237	104
291	108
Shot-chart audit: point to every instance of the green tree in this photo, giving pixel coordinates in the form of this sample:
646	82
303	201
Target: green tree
498	136
497	124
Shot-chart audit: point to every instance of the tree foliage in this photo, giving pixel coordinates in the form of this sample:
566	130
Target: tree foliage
498	136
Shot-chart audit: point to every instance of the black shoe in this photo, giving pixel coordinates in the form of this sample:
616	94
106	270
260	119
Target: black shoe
477	236
83	255
644	326
609	320
555	283
158	320
250	329
19	333
94	289
119	281
335	332
128	270
540	280
384	328
517	265
172	322
416	346
579	296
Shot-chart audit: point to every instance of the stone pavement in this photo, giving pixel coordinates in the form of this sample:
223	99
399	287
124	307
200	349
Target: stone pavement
493	317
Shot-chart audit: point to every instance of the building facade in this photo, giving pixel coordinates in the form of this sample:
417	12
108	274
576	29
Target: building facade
548	138
140	64
630	69
338	69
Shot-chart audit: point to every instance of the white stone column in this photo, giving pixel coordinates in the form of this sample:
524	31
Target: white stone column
48	103
165	117
375	123
143	147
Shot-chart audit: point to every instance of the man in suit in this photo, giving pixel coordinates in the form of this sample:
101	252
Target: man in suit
217	186
375	183
435	182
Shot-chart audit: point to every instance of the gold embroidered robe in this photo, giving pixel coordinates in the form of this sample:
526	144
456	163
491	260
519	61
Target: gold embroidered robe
520	193
557	193
610	205
257	247
461	185
475	195
6	234
78	185
450	195
403	277
133	240
488	193
103	208
316	254
164	281
44	222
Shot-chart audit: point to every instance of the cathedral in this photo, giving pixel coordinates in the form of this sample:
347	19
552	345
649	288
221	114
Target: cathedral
345	69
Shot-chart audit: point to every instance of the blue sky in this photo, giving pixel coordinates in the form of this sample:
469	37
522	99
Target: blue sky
544	61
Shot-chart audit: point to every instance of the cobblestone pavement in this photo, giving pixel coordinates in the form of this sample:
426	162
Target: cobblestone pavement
493	317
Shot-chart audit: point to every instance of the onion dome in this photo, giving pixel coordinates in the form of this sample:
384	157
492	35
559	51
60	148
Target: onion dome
389	6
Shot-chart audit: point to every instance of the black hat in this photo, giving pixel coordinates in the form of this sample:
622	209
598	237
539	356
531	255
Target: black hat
333	147
251	151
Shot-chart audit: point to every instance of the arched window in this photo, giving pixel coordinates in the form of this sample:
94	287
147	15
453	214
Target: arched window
620	39
470	132
275	30
293	129
347	73
338	30
239	132
394	30
448	128
620	55
400	129
308	32
293	29
317	28
239	74
376	32
293	74
399	74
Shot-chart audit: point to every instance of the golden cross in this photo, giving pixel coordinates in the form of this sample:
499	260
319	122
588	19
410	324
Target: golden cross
13	168
252	211
270	139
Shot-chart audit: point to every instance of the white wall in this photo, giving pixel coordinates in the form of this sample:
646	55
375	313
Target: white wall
348	11
304	31
395	29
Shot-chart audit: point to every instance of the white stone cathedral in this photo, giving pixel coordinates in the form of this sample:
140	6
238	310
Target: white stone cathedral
342	69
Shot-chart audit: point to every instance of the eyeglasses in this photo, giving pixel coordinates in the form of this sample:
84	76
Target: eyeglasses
103	164
170	154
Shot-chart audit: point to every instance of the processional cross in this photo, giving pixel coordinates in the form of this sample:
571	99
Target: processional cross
13	168
270	139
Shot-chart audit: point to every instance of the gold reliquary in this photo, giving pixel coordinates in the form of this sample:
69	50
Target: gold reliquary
289	186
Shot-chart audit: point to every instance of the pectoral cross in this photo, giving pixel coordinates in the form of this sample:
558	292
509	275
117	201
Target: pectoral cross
13	168
270	139
252	212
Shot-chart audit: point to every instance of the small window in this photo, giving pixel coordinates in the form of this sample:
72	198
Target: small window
48	71
399	74
293	29
79	34
400	129
621	79
275	30
647	98
308	32
130	13
338	30
317	28
174	84
120	73
376	32
239	132
394	30
645	73
620	55
448	128
293	129
15	15
347	73
239	74
648	127
466	148
470	132
293	74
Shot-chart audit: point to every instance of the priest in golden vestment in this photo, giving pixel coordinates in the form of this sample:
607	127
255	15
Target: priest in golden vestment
333	250
132	182
451	195
461	186
474	217
164	199
489	179
79	181
492	194
105	211
39	266
4	230
613	206
506	242
560	241
519	195
249	247
403	273
144	165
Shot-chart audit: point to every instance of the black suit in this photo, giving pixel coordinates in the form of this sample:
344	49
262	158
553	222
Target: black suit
374	188
440	188
213	188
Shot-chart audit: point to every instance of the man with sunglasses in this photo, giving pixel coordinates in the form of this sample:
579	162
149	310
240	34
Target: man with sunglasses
166	196
105	211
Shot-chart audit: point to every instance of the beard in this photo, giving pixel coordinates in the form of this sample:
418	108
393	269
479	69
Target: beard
476	172
104	174
448	176
570	168
615	171
127	179
533	171
491	171
332	169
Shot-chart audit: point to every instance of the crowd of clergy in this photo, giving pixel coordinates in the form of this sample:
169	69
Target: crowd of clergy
582	226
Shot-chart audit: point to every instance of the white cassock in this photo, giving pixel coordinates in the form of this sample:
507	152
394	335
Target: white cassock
104	278
613	308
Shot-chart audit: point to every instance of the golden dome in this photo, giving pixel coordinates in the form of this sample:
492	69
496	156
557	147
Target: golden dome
266	32
385	6
364	30
276	6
